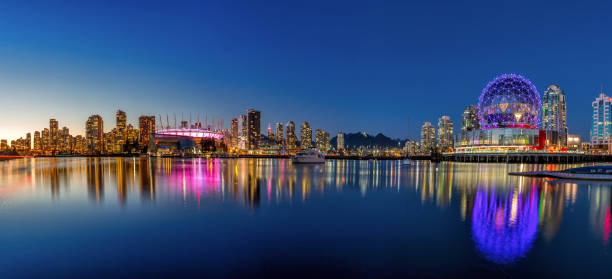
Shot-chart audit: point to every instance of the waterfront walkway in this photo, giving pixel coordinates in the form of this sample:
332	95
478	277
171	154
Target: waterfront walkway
536	158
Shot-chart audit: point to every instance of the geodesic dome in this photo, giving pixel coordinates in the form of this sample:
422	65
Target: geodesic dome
509	100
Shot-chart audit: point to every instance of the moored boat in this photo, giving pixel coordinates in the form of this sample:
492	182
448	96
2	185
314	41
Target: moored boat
309	157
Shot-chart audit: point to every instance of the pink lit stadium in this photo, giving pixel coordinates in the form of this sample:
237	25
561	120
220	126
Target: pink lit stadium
184	141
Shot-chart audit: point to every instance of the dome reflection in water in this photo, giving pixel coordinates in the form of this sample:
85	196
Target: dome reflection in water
504	225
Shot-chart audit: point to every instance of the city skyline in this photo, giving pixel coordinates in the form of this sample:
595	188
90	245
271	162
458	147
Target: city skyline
544	118
55	69
125	139
316	139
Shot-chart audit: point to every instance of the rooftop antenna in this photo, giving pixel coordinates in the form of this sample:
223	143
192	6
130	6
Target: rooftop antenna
167	122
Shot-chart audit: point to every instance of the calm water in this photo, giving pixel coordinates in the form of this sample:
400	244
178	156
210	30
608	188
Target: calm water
101	217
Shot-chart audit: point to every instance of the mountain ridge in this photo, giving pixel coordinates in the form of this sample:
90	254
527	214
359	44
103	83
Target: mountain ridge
354	140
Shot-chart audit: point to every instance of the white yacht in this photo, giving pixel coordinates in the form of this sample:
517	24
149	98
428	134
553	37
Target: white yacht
309	157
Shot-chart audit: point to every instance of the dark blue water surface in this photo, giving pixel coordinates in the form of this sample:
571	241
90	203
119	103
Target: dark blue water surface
131	217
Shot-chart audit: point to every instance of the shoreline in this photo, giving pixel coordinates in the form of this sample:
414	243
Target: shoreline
509	158
247	156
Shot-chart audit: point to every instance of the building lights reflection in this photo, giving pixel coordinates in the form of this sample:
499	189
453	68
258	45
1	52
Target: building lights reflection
599	211
499	209
504	225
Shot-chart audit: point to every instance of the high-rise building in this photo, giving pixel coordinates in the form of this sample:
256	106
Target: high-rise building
291	137
46	141
235	132
340	141
37	141
132	135
471	120
428	137
146	126
94	134
279	133
65	141
28	141
601	130
445	133
121	119
53	134
322	140
554	112
108	142
305	136
244	126
254	129
120	135
242	132
80	144
3	145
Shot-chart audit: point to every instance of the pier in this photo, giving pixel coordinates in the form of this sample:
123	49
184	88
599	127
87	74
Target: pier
533	158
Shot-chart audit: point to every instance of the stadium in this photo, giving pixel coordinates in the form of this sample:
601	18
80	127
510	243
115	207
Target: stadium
184	141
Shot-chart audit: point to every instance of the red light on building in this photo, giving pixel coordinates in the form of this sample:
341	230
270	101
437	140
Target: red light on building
542	140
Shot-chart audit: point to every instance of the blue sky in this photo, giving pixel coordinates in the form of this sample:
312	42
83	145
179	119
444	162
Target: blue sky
374	66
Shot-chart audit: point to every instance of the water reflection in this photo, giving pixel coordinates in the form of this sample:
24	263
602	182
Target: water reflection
95	180
504	225
505	214
599	212
508	212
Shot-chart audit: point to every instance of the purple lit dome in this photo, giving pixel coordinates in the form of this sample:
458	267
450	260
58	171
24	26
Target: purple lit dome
509	101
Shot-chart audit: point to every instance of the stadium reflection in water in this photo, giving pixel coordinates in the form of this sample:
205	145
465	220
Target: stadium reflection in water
506	215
